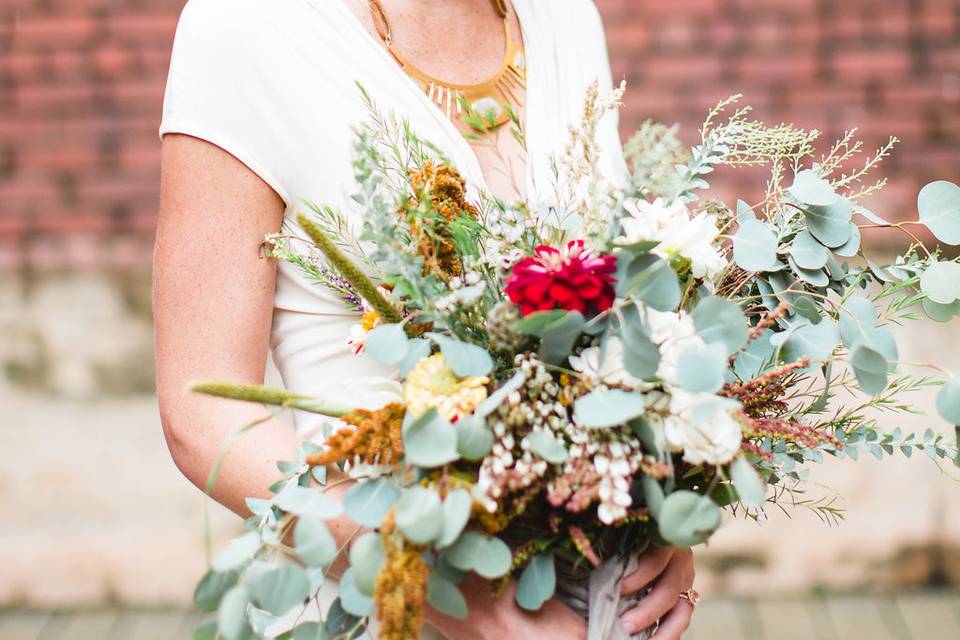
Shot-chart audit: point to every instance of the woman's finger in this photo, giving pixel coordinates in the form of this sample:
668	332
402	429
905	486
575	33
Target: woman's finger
676	578
649	566
676	622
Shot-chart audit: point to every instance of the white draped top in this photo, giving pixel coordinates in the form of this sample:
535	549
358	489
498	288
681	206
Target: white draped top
273	82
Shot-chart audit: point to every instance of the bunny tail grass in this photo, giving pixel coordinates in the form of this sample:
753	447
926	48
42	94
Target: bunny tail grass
339	261
266	395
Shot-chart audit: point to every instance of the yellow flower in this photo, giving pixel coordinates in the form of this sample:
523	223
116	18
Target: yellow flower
433	384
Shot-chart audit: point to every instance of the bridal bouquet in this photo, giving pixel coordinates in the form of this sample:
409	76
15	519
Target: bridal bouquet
580	381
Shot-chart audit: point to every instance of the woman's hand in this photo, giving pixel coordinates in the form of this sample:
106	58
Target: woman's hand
670	571
501	618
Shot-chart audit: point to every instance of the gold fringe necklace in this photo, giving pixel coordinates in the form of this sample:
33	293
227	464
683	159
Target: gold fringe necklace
492	99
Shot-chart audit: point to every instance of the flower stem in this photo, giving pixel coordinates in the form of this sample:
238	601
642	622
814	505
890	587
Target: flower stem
351	273
269	396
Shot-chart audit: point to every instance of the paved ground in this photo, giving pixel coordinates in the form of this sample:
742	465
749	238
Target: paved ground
930	616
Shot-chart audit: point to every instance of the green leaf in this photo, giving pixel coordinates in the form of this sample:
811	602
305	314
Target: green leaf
939	206
809	188
419	514
687	519
353	601
488	557
417	350
206	630
755	246
720	321
641	357
941	282
750	488
852	246
368	501
656	284
465	359
430	441
815	277
237	552
702	369
607	408
870	367
307	501
279	590
456	511
546	446
940	312
537	582
653	495
474	439
815	341
232	615
387	343
494	560
211	588
807	251
752	361
558	331
314	543
497	398
948	401
537	322
858	320
309	631
444	596
830	224
366	558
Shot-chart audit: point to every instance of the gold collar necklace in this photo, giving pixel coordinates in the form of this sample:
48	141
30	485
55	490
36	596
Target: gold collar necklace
491	99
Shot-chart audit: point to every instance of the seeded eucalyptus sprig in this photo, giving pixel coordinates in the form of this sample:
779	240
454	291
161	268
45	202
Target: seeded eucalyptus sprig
356	277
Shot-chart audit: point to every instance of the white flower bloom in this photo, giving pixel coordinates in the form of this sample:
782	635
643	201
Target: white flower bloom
674	333
677	233
611	371
713	439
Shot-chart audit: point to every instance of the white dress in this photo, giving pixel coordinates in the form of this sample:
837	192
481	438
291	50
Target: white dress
272	82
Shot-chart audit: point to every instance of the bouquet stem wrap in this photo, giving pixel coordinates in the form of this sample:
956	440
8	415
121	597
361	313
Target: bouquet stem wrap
595	595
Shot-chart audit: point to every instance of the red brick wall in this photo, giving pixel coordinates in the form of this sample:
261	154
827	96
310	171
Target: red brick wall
81	85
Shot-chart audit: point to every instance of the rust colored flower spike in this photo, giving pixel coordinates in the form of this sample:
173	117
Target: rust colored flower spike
400	592
441	189
761	396
375	438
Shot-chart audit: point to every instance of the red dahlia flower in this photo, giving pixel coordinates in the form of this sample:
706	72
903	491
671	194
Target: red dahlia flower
572	279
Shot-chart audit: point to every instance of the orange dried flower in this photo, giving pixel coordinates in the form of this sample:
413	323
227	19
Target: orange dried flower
376	437
401	588
445	190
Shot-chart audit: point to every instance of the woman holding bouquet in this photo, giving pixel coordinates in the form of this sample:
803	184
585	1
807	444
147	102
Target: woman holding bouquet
258	117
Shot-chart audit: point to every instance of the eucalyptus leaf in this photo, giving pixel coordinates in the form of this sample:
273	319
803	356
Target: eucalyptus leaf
755	359
607	408
465	359
309	631
816	277
430	441
940	312
212	587
852	246
546	446
456	511
280	589
948	401
232	614
474	439
368	501
870	367
809	188
755	246
718	320
815	341
313	542
750	487
653	495
687	518
807	252
237	552
367	556
444	596
939	206
702	369
307	501
351	599
858	320
417	350
557	330
494	560
419	514
941	282
655	285
387	343
537	583
830	224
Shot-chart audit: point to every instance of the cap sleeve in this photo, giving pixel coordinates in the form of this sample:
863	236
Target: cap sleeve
218	87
